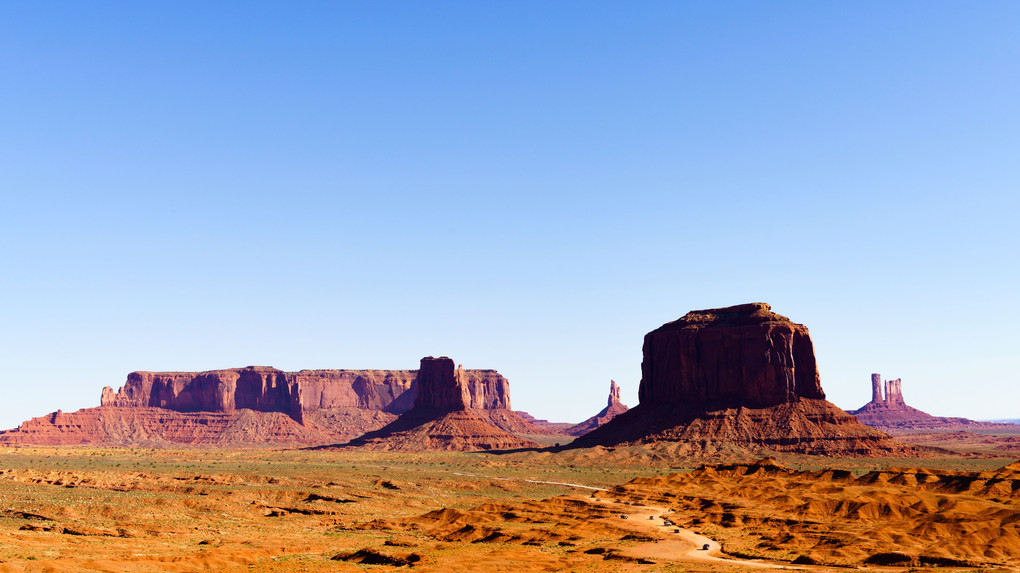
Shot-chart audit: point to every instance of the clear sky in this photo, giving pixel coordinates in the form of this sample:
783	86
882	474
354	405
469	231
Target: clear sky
525	186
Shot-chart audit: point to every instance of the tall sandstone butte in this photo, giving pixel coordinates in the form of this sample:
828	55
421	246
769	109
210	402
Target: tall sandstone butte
743	355
739	375
891	413
452	412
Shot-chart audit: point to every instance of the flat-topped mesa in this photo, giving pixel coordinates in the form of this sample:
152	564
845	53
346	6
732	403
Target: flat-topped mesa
264	389
267	389
744	355
259	404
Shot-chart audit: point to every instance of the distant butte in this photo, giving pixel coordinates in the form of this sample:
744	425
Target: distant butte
613	409
258	405
741	375
890	413
446	418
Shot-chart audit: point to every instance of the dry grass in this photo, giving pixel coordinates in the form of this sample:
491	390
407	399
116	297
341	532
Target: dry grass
123	509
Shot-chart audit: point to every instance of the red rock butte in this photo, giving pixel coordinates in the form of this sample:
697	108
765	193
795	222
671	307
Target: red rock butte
613	409
445	418
258	404
742	375
890	412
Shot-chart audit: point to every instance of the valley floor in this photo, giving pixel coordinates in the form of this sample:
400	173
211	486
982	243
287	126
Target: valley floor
122	509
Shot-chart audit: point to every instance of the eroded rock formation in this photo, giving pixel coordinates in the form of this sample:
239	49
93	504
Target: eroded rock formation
742	355
613	409
215	406
444	387
742	375
452	413
890	413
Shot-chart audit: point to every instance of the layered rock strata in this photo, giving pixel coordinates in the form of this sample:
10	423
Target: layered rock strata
742	375
219	406
159	427
268	389
890	413
742	355
445	418
613	409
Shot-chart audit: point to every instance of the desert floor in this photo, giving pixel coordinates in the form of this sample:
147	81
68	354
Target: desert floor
124	509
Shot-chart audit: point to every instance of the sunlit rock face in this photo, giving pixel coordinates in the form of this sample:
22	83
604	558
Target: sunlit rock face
743	355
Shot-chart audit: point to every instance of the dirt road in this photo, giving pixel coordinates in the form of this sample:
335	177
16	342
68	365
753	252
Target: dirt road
684	545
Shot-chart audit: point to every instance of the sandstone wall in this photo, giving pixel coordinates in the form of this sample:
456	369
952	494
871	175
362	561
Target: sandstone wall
743	355
441	386
267	389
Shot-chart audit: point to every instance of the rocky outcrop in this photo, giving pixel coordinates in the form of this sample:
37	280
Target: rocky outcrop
333	405
440	385
613	409
742	375
268	389
264	389
890	413
742	355
446	417
444	387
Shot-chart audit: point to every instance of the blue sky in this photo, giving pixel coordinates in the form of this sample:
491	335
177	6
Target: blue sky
525	186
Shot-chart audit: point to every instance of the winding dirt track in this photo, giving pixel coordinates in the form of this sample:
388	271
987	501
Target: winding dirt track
683	546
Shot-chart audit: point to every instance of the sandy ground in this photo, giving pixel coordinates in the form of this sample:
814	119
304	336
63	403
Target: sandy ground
119	509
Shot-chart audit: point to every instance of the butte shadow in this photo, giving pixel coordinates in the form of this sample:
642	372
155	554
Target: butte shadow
741	375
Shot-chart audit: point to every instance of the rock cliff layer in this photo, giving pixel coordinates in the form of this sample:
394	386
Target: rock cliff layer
268	389
742	375
742	355
205	407
445	416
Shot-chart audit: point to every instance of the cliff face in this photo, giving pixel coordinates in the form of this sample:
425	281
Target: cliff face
443	387
455	410
742	355
262	389
267	389
219	406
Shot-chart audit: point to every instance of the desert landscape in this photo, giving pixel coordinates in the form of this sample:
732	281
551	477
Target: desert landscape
456	286
733	459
